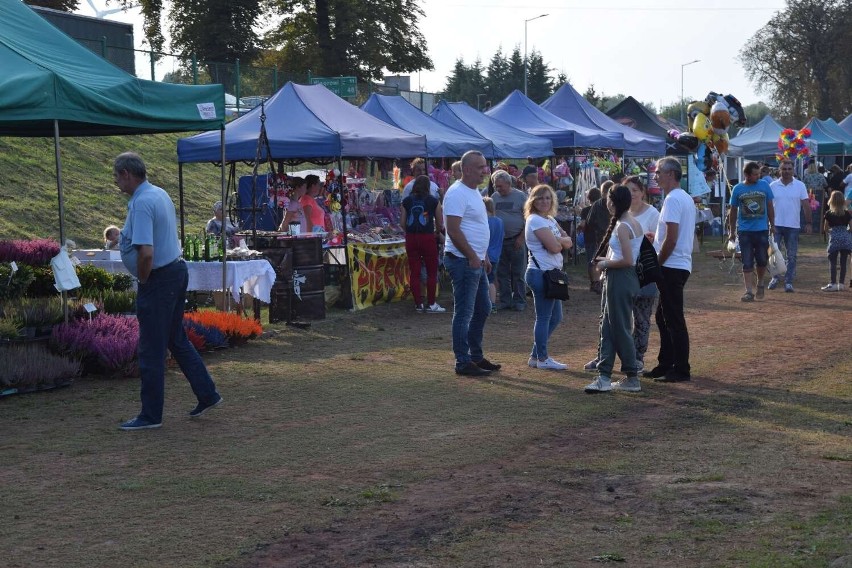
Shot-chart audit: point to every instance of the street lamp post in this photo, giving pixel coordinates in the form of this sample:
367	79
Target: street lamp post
682	102
525	50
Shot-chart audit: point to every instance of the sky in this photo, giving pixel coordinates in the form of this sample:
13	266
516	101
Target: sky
622	46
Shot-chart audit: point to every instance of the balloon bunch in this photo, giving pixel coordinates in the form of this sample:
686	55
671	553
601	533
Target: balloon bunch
792	144
708	125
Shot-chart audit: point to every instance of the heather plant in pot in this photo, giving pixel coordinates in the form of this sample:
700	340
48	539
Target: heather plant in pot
36	252
31	366
106	344
36	316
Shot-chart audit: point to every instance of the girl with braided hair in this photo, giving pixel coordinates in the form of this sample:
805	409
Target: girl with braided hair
615	260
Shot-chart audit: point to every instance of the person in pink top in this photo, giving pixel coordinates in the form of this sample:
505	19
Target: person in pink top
312	211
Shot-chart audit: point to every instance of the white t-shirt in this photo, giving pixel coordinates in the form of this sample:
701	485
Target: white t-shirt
466	202
649	219
787	200
679	208
433	189
546	260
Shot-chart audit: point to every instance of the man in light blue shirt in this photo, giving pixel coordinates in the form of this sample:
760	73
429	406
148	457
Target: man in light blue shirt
151	252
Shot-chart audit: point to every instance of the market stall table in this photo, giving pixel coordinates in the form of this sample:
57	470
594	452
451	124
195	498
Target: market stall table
255	277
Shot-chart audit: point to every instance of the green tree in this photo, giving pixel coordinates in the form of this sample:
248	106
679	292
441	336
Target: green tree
539	81
347	37
756	112
497	84
515	77
63	5
465	82
800	58
592	96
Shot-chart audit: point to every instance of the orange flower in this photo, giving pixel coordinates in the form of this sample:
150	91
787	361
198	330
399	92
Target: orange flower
232	325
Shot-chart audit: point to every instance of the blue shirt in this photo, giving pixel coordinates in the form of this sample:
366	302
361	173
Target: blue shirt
495	240
151	220
751	202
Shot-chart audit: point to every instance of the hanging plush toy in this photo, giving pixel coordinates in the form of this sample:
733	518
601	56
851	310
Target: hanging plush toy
720	117
695	108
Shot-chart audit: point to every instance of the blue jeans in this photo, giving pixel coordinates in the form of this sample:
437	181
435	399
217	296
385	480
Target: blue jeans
510	275
471	308
753	247
790	237
548	313
159	309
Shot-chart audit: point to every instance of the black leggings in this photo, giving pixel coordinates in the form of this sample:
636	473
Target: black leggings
832	260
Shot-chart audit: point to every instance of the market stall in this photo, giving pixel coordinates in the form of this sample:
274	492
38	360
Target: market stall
302	123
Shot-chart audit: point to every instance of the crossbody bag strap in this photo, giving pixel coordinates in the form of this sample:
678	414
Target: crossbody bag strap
533	259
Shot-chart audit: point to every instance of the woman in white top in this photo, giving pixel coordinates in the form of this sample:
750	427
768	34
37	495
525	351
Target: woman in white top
618	267
545	242
643	305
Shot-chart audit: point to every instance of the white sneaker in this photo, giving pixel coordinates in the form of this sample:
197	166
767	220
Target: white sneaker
630	384
435	309
532	362
831	288
600	384
551	364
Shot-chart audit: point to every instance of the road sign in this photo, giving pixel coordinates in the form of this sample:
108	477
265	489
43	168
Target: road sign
345	87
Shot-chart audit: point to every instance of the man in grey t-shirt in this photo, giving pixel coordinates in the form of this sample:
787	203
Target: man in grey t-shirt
509	206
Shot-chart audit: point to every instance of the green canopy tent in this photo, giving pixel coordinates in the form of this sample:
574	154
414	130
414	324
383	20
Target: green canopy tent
50	85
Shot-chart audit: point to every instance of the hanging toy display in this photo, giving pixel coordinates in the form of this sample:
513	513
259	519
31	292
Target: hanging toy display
707	137
793	145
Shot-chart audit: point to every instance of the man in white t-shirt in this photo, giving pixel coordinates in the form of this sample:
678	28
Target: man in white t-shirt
789	196
673	241
467	262
418	168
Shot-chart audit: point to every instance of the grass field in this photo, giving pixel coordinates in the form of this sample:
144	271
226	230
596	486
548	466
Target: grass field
354	444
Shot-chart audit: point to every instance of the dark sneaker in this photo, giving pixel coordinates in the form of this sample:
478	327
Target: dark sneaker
202	408
655	373
471	369
592	365
788	288
747	297
773	283
673	377
139	424
487	365
760	293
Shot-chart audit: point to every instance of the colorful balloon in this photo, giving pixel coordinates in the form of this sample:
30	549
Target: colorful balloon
720	117
701	126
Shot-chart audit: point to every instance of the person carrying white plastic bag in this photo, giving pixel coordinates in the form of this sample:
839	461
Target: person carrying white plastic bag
777	265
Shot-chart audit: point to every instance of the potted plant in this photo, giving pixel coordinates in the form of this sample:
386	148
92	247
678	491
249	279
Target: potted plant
35	316
30	367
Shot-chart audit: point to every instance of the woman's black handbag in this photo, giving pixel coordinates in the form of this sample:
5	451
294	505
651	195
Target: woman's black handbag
555	282
648	264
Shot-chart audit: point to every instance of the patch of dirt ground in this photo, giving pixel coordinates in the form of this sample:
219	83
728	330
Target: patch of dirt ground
624	487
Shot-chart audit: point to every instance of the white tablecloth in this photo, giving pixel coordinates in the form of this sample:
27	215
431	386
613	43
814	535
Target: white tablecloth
254	277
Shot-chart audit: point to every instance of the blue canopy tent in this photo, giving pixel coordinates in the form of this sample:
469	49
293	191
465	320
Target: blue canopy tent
846	124
442	141
568	104
522	113
823	142
509	142
759	142
307	122
830	126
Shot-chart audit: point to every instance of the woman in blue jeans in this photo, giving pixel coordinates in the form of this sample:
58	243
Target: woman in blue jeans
545	242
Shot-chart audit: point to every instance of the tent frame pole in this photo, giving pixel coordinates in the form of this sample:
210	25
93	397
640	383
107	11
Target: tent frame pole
61	198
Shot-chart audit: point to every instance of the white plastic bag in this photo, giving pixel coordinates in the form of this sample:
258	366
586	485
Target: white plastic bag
777	265
63	271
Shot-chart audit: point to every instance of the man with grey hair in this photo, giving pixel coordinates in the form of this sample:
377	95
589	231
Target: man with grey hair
509	207
151	252
466	259
214	225
673	241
